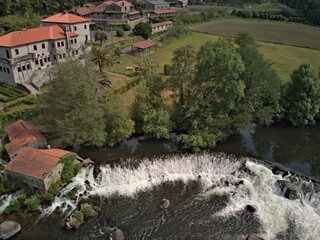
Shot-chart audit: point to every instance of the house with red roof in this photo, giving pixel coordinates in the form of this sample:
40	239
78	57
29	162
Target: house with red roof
161	26
111	14
23	134
26	53
38	168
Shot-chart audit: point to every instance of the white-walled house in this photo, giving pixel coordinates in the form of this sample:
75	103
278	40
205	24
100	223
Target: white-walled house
161	26
23	54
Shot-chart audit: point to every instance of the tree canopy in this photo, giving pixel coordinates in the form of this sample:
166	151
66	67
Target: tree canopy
142	29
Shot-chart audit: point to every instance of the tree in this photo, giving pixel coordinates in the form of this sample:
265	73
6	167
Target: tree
262	83
182	73
101	57
149	111
142	29
70	108
120	33
100	35
302	97
212	112
119	125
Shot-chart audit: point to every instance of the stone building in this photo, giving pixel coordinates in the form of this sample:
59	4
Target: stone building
111	14
24	55
37	168
22	134
161	26
164	13
152	5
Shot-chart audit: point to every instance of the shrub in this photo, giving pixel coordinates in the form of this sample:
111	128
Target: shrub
87	210
71	194
120	33
32	203
126	27
13	206
70	169
166	69
78	215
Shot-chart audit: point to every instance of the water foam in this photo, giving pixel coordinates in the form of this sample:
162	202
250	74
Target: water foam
276	213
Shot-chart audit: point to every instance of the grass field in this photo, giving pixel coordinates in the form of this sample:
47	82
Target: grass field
269	31
285	58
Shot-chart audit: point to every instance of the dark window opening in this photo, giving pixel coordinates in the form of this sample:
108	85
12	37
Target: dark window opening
17	51
71	41
85	26
75	28
23	68
19	69
64	55
37	61
58	44
52	44
54	57
35	47
48	59
75	41
62	44
0	69
7	52
45	59
28	66
8	71
43	46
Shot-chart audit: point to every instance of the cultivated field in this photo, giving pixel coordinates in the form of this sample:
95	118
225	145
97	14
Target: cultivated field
9	94
291	34
285	58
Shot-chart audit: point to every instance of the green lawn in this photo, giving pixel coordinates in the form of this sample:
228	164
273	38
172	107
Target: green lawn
285	58
269	31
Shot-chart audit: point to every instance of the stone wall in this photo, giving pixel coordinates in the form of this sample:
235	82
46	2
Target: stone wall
53	176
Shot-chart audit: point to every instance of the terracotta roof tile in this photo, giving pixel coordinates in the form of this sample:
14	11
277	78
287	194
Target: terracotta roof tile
20	133
87	10
65	18
34	162
145	44
161	24
23	37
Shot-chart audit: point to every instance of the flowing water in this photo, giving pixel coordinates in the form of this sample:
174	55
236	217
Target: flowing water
213	196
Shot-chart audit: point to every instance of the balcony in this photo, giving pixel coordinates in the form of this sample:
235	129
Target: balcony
27	57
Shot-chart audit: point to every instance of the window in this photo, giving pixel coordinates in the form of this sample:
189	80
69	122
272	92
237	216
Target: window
17	51
23	68
64	55
4	69
54	57
52	44
8	71
58	44
28	66
75	41
62	44
60	56
85	26
19	69
86	37
43	46
7	52
48	59
71	41
75	28
0	69
35	47
76	52
45	59
37	61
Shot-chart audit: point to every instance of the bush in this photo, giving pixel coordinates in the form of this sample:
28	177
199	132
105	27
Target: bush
119	33
13	206
32	203
87	210
71	194
126	27
79	215
70	169
166	69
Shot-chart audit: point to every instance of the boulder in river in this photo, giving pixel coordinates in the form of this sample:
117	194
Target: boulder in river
289	190
8	229
118	235
165	203
254	237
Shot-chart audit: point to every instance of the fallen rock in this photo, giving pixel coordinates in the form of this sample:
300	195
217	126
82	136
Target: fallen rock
118	235
289	190
251	208
165	203
8	229
254	237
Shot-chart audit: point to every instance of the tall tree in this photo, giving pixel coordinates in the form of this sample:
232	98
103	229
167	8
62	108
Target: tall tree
70	108
181	76
101	57
142	29
100	35
119	125
302	97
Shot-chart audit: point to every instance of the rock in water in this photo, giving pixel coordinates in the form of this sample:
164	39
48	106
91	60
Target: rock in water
254	237
8	229
118	235
165	203
289	190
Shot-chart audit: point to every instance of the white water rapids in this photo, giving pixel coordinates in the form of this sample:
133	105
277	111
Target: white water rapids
276	213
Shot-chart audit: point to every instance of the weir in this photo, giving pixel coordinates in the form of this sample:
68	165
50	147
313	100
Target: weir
246	186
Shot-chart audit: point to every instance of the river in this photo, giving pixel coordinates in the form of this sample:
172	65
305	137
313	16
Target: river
207	199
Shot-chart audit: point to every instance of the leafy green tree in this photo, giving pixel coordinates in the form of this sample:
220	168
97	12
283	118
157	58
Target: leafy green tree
101	57
182	74
119	125
212	113
70	108
120	33
142	29
149	111
302	97
262	83
100	35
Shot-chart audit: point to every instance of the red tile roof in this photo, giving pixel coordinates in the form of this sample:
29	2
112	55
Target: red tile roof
33	35
164	11
159	24
123	3
20	133
65	18
34	162
133	13
145	44
87	10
